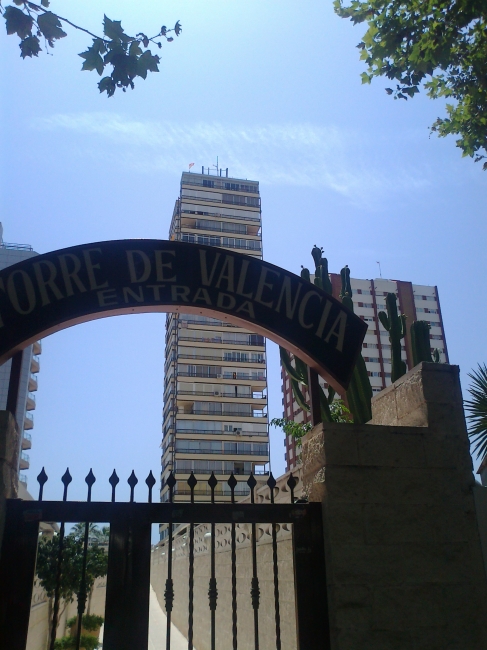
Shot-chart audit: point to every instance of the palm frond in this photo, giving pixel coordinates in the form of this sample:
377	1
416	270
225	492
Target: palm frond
477	410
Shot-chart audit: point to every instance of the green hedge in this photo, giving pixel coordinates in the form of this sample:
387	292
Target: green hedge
90	621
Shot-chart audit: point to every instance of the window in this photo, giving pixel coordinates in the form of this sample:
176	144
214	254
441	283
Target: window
207	183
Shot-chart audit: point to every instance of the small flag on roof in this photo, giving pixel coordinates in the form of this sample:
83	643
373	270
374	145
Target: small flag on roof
191	165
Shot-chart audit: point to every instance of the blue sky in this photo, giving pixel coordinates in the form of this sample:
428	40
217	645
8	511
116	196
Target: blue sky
273	89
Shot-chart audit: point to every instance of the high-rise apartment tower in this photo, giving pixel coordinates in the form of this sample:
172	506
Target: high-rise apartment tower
417	302
26	401
215	389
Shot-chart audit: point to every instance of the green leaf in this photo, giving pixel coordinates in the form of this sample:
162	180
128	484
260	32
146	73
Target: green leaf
50	26
29	47
113	30
147	62
135	49
17	22
107	84
93	60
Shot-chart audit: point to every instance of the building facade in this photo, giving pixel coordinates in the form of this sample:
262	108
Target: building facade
26	403
215	387
417	302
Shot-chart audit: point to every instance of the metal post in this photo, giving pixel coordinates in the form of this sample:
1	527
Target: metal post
312	618
14	382
17	568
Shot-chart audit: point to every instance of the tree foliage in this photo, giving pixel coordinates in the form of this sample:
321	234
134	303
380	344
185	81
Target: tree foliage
477	410
125	57
46	567
440	45
339	413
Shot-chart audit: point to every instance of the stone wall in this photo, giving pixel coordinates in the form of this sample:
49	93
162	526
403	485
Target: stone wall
403	554
37	637
245	622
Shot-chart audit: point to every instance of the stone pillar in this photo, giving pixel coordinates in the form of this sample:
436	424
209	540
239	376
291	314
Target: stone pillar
403	554
9	461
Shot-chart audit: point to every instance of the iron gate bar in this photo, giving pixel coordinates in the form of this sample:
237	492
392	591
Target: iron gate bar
212	590
254	584
232	482
128	577
313	629
192	482
272	484
66	480
169	591
17	568
180	513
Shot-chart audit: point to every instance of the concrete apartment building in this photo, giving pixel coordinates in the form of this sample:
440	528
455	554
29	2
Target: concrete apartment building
11	254
418	302
215	390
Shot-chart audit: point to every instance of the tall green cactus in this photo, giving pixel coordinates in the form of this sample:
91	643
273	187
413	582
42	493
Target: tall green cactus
298	374
396	326
421	344
322	278
359	393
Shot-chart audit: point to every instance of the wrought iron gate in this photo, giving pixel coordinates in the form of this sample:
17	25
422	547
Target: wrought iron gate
129	560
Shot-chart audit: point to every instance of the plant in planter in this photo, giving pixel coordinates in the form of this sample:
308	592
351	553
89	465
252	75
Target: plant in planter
90	625
69	642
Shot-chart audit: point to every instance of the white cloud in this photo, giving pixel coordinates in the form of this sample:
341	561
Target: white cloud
294	154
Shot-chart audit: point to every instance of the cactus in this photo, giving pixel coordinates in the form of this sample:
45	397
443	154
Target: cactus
396	326
322	278
305	274
346	286
299	375
421	344
359	393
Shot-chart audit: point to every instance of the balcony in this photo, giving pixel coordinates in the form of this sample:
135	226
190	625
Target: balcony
221	393
23	479
223	413
32	383
205	213
251	340
219	472
24	460
26	440
223	360
186	450
28	421
35	365
253	245
220	182
37	347
31	402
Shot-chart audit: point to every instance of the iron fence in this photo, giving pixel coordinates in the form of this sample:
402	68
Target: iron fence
129	559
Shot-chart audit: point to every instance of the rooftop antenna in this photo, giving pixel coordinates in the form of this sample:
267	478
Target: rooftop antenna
380	271
216	166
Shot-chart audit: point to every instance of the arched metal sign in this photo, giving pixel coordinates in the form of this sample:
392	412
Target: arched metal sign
50	292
